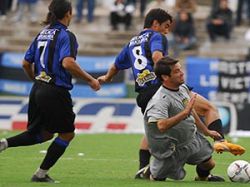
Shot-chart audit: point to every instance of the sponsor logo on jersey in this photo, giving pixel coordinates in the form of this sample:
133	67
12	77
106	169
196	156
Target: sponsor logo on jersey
144	77
47	34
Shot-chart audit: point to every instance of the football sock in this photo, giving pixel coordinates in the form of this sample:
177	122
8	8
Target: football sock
24	139
217	126
144	158
55	151
40	173
201	172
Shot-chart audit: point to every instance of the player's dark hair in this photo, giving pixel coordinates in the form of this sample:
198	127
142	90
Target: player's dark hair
57	11
157	14
164	66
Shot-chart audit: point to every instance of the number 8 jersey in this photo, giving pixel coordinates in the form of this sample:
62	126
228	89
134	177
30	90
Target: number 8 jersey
138	56
47	52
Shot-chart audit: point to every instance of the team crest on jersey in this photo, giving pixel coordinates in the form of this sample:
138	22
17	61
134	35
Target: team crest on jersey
185	101
144	77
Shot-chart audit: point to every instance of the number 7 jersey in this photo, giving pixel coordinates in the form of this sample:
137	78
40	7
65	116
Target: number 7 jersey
137	54
47	51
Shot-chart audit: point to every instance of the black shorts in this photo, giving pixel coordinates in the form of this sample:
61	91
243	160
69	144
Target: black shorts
50	109
145	95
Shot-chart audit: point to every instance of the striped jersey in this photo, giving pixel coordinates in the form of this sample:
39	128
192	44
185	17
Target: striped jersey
47	51
138	56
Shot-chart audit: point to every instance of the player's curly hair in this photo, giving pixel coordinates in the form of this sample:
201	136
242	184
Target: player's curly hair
164	66
156	14
57	10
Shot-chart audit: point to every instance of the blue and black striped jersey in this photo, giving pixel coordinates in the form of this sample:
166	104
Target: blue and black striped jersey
137	55
47	52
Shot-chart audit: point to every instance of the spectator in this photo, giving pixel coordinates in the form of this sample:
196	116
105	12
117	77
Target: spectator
80	7
143	4
3	9
121	12
220	22
163	5
184	32
239	11
31	4
186	5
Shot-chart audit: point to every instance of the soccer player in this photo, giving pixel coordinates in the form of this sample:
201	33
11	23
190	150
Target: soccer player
171	125
50	63
140	54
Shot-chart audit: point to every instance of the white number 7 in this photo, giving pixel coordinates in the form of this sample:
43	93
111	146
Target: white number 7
42	46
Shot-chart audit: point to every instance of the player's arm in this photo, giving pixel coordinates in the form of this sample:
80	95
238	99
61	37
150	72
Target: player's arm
203	128
74	69
165	124
156	56
109	75
28	69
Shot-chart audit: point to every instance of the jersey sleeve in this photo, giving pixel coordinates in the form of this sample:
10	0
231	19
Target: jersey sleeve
158	110
122	61
30	53
187	88
68	46
157	44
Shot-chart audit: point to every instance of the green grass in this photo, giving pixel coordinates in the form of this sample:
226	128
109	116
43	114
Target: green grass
108	160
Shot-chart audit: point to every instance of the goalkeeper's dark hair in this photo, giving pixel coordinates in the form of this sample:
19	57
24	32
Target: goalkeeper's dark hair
164	66
57	11
157	14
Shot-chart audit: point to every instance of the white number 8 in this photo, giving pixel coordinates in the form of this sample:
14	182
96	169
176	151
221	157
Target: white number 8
140	60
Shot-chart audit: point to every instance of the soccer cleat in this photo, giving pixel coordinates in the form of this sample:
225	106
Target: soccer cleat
225	146
213	178
44	179
3	144
210	178
143	173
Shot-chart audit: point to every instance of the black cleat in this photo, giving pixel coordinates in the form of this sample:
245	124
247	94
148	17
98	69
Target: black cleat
44	179
210	178
213	178
143	173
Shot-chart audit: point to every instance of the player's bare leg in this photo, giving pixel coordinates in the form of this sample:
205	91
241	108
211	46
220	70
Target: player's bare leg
212	119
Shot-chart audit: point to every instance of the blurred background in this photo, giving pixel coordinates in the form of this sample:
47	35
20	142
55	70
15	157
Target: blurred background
211	39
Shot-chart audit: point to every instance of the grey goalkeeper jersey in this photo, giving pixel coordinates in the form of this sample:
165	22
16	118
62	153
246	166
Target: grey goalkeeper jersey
166	104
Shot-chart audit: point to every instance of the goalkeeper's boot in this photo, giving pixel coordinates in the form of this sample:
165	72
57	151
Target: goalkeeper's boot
143	173
210	178
225	146
3	144
47	179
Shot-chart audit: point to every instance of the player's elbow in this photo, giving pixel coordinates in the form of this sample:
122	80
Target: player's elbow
68	63
26	65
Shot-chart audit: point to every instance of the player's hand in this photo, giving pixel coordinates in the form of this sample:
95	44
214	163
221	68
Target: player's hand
213	134
103	79
94	84
190	105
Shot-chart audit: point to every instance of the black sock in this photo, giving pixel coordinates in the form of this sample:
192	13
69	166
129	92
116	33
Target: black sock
201	172
24	139
55	151
217	126
144	156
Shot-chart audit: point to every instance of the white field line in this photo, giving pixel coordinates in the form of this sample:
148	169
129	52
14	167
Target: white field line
106	159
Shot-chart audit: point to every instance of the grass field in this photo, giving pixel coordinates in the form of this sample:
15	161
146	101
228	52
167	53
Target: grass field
107	160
